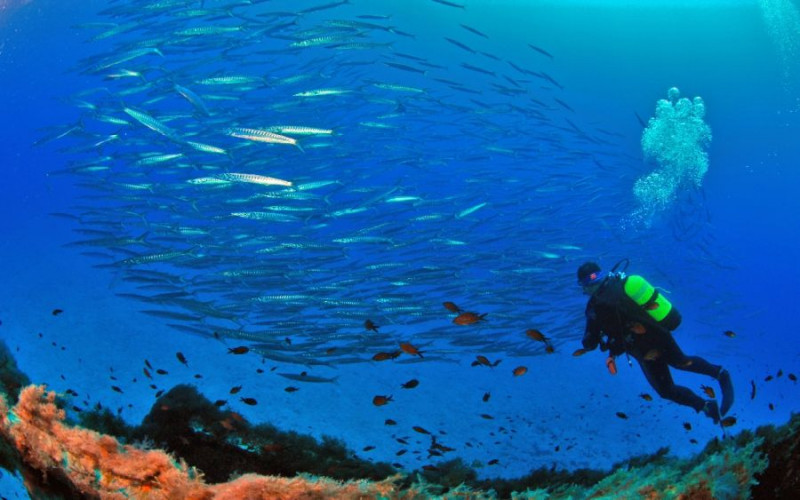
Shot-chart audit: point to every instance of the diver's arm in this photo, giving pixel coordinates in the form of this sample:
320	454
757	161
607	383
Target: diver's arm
593	333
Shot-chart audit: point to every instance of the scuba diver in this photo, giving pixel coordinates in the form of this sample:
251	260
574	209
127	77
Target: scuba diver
625	314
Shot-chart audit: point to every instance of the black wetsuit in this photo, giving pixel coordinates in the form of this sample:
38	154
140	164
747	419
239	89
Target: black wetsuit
612	320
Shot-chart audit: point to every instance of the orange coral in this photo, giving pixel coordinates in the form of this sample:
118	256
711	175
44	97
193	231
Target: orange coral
99	465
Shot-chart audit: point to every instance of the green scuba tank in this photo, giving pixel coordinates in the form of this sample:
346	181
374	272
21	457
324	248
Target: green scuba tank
650	301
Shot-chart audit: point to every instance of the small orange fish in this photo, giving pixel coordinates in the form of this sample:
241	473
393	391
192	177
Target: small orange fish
646	396
451	307
468	318
483	360
708	391
381	400
638	329
383	356
238	350
369	325
410	349
579	352
611	365
536	335
519	371
728	422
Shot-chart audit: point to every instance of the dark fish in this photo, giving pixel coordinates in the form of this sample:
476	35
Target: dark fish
473	30
460	45
421	430
235	389
383	356
368	448
405	67
116	389
162	372
792	377
305	377
493	461
450	306
369	325
752	389
56	312
486	396
181	358
291	389
450	4
410	384
622	415
238	350
687	426
728	422
220	402
389	421
249	401
381	400
729	333
541	50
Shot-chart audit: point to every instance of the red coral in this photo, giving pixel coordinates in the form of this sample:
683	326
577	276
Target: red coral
99	465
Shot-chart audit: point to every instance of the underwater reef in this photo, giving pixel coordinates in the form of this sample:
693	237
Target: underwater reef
188	448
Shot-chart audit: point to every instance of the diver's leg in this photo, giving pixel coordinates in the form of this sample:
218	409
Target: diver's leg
673	355
657	373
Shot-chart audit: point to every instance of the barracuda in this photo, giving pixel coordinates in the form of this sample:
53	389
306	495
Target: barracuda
470	210
299	130
230	80
321	92
259	135
150	122
262	180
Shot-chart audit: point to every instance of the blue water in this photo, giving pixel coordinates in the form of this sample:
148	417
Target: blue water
726	252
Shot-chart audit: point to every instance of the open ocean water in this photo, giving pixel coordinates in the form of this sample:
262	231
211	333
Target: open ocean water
474	152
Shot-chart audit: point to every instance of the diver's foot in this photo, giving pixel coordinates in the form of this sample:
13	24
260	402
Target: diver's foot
726	386
711	410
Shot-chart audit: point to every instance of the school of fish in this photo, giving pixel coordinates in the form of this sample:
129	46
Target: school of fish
277	173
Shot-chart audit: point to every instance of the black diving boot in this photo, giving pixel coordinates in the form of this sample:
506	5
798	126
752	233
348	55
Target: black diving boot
711	410
726	385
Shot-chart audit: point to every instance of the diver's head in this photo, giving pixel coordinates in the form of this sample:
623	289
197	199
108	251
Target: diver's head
590	277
